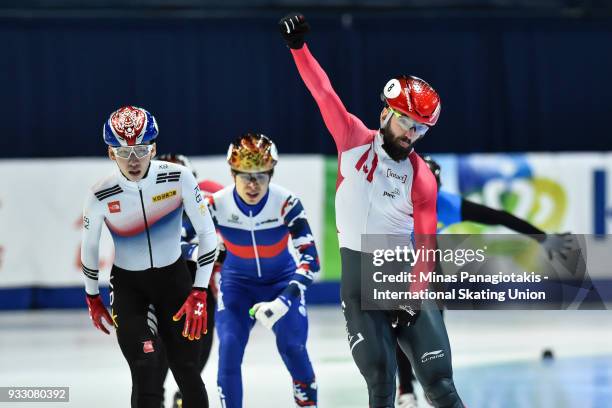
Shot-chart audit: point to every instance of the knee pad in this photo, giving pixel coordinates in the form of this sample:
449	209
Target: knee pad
442	394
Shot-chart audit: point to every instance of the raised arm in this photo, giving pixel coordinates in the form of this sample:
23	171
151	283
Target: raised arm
346	129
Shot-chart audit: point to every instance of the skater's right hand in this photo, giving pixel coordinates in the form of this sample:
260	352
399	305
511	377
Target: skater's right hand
268	313
97	312
293	28
406	315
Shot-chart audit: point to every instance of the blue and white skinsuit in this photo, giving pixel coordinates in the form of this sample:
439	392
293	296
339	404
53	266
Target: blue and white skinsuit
260	268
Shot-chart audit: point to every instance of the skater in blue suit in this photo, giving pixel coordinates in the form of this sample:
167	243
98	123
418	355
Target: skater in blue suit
260	278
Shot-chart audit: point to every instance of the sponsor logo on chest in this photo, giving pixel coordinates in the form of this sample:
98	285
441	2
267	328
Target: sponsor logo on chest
393	194
393	175
234	219
164	196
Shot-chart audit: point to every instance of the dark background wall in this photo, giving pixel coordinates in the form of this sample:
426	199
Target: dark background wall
511	77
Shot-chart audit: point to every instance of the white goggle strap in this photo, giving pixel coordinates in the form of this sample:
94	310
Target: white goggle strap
387	119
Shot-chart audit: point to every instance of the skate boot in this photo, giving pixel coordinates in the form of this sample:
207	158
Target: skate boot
305	395
407	401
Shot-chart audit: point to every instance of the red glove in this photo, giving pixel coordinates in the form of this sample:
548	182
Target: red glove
196	317
97	312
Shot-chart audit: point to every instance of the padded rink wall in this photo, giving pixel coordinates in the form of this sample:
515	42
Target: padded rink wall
40	211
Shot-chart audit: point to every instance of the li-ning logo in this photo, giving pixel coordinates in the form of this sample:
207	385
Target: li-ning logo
401	178
128	123
432	355
163	196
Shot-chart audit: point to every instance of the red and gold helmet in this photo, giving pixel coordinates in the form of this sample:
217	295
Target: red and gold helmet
252	153
413	97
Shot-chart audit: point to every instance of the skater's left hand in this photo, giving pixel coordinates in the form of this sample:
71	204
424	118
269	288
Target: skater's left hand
194	310
269	313
98	313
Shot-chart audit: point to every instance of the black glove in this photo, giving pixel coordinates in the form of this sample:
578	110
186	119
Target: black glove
559	244
293	27
405	315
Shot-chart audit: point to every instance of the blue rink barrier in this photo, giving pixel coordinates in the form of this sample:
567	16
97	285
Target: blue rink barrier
16	298
73	297
556	383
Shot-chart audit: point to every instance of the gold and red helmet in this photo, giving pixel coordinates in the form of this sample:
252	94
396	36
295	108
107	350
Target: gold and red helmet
413	97
252	153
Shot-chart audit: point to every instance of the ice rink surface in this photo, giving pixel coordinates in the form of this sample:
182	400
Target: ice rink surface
496	356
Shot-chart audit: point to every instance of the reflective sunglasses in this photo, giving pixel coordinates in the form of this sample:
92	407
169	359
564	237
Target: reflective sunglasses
408	123
139	151
259	178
